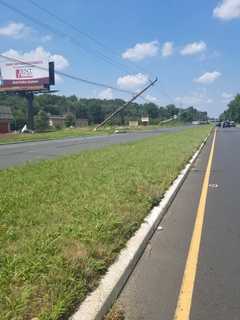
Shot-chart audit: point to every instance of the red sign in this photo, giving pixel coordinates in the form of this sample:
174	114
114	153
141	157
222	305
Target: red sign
24	73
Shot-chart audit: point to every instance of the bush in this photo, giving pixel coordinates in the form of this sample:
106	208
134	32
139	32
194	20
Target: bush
41	121
69	120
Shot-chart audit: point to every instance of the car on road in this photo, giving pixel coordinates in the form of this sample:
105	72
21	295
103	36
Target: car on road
218	124
232	124
226	124
119	131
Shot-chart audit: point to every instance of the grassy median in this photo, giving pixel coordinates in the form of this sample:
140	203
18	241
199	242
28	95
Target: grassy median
52	135
63	222
78	132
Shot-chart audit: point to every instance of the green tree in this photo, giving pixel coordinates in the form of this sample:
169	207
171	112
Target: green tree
172	110
233	111
69	120
41	121
96	110
152	110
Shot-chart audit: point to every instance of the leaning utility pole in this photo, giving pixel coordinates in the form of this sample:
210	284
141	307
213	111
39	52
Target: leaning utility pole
125	105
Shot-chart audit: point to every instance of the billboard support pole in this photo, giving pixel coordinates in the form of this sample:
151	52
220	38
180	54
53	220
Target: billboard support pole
30	110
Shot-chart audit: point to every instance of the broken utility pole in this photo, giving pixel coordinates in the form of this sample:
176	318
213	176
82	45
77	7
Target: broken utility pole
125	105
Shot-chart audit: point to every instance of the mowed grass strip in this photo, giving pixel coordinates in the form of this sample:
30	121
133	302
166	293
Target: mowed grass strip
52	135
77	132
63	222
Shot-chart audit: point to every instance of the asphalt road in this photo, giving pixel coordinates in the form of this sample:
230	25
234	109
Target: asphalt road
15	154
156	286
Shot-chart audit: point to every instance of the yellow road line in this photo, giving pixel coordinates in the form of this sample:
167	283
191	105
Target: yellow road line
185	296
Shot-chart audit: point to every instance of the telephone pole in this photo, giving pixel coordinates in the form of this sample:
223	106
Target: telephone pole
125	105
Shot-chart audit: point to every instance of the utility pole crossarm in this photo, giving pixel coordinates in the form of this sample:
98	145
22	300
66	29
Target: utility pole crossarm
125	105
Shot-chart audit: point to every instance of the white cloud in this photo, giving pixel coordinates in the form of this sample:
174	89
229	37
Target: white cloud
18	30
188	100
15	30
208	77
152	99
167	49
227	10
106	94
58	78
132	81
60	61
46	38
195	99
209	100
39	53
194	48
141	51
226	95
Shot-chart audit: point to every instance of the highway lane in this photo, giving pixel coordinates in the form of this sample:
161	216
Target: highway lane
15	154
217	287
165	274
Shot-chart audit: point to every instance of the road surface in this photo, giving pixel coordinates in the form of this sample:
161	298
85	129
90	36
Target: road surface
188	270
15	154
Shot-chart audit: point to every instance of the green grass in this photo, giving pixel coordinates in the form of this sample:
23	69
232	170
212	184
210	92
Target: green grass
169	124
60	134
174	123
63	222
75	132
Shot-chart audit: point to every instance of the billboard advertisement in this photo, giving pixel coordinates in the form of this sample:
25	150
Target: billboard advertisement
20	76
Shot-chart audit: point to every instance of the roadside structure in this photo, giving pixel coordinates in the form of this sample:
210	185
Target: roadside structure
56	121
145	120
133	123
80	123
5	119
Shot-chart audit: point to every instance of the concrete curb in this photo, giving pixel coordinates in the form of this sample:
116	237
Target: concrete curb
98	303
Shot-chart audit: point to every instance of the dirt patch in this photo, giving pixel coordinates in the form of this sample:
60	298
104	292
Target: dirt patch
116	313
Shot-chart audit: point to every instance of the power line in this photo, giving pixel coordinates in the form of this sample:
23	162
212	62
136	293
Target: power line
73	77
72	39
62	35
85	34
103	85
126	104
69	37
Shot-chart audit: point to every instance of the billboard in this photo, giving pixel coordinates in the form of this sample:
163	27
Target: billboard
20	76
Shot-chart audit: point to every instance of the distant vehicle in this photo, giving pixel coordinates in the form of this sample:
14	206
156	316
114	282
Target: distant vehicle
232	124
119	131
196	122
218	124
226	124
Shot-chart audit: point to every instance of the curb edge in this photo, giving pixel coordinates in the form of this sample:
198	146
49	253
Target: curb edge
98	303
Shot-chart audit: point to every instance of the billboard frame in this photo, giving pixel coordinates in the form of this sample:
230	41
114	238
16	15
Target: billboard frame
29	91
26	76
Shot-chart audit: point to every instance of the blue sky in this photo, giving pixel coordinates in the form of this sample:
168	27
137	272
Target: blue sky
192	46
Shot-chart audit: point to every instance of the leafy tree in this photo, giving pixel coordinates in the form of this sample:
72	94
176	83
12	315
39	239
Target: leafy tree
163	113
172	110
69	120
41	121
151	110
191	114
95	110
233	111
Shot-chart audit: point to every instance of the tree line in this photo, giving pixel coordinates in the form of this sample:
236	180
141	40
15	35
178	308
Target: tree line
95	110
233	111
